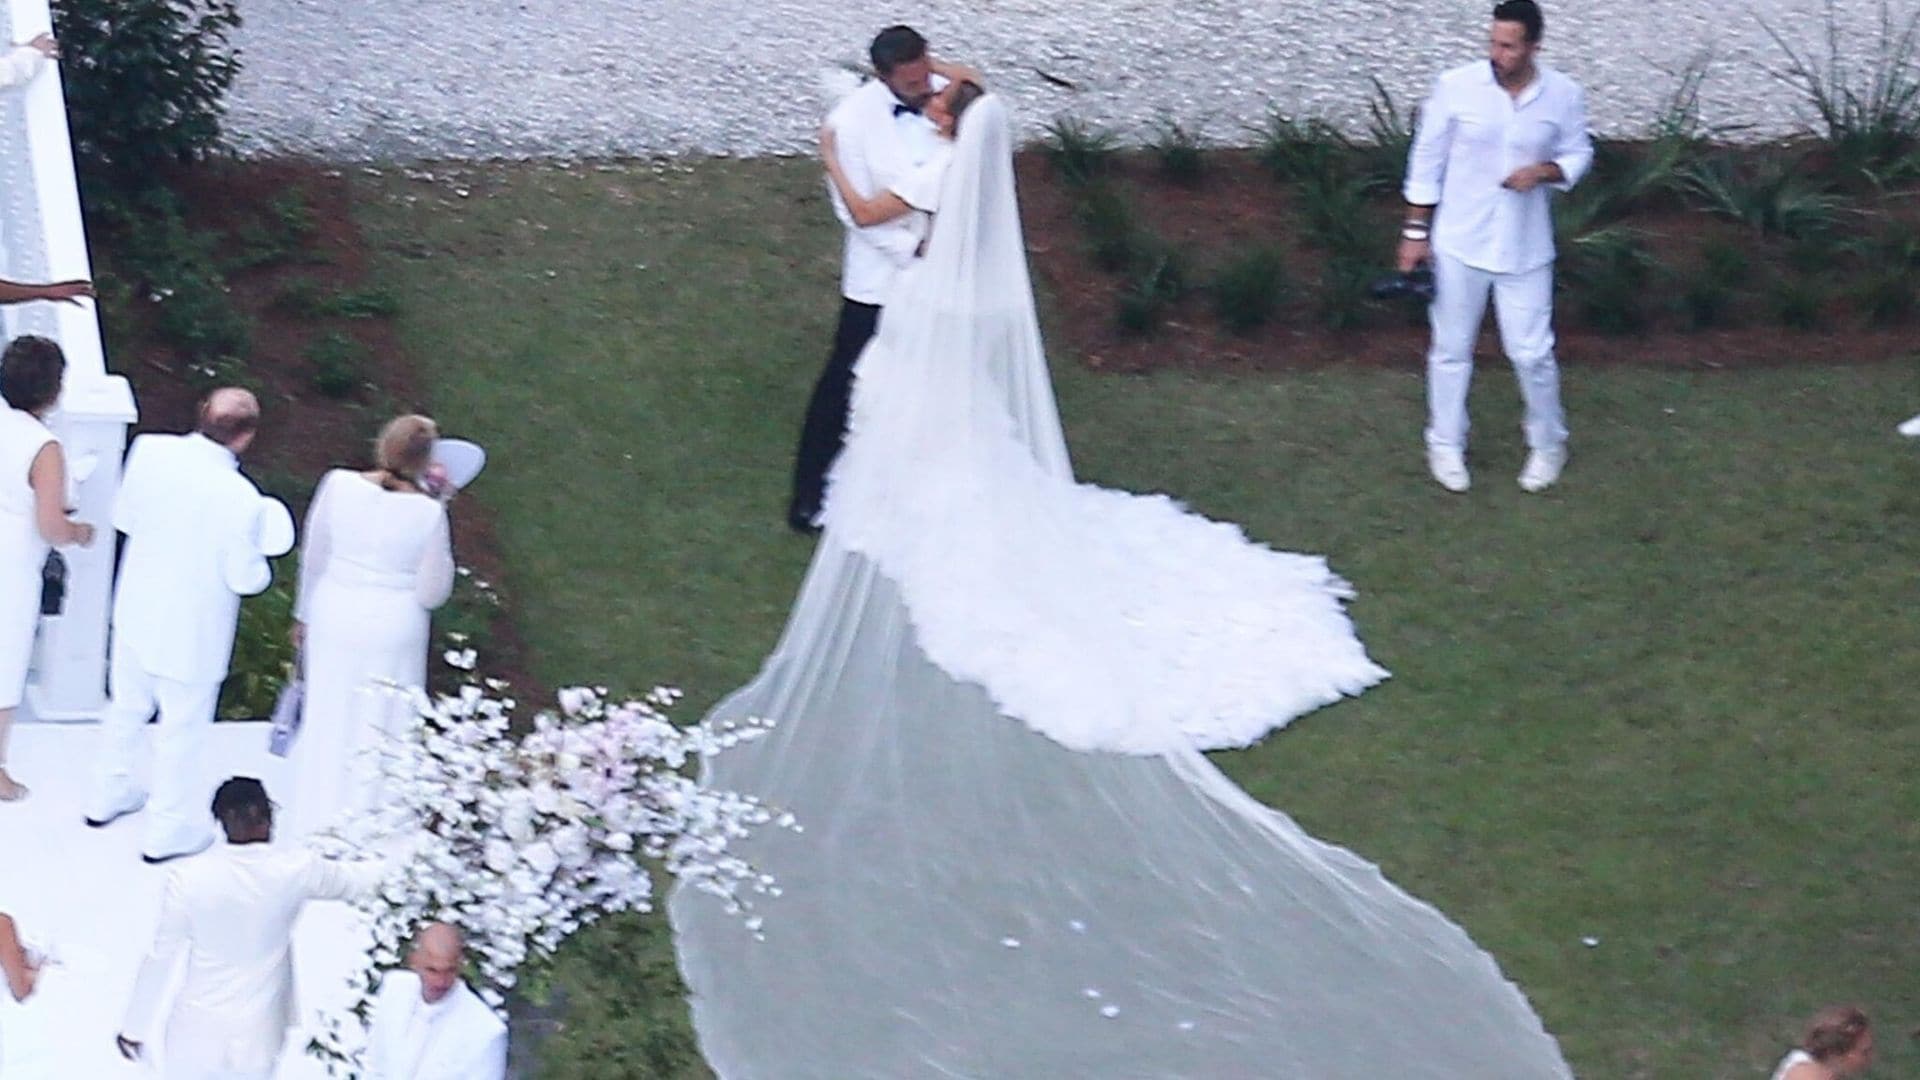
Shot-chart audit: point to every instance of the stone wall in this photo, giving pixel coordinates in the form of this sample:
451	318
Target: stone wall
378	80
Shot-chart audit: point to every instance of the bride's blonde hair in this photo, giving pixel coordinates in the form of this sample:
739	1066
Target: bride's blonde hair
404	449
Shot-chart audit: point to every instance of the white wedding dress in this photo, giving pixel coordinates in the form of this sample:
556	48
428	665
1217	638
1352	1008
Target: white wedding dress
373	566
988	697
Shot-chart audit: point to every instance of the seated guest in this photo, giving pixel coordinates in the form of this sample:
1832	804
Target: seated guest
231	913
1838	1044
427	1023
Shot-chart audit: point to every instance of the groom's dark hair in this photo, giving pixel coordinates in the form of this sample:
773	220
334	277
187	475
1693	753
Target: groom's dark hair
894	46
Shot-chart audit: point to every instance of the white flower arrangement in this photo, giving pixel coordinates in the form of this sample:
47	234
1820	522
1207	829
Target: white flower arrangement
520	841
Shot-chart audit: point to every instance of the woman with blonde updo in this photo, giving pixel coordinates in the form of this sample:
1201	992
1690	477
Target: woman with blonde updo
376	560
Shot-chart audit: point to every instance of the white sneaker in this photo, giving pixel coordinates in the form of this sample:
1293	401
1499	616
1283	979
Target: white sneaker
1911	428
1543	468
1449	468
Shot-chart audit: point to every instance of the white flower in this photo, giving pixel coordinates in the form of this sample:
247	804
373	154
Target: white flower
464	659
573	699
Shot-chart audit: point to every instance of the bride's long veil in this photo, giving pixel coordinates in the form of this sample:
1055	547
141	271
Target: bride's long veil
972	898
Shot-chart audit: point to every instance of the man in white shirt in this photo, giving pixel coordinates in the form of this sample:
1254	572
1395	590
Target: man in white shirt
1495	138
428	1024
231	912
199	535
881	135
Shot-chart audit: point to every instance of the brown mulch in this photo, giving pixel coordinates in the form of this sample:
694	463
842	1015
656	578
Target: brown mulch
1239	204
303	432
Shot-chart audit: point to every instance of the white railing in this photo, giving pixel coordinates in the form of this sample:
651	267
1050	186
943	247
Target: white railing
42	238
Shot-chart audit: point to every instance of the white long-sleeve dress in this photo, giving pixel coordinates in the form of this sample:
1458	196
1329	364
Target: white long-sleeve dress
374	564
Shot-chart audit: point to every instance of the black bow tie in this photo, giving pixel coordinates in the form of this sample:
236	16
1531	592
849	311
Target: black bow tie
902	107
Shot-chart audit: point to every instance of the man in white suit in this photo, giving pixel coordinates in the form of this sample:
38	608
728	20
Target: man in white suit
199	535
428	1024
232	912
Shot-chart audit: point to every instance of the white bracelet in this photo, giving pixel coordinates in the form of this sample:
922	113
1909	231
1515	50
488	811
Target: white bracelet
1410	233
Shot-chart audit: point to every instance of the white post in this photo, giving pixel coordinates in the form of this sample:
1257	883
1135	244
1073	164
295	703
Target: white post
42	238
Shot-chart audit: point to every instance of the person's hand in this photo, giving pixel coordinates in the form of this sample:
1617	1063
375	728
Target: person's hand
48	47
129	1048
298	634
1525	178
1411	254
69	291
82	533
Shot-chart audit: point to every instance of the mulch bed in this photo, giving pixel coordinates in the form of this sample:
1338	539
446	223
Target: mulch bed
1239	203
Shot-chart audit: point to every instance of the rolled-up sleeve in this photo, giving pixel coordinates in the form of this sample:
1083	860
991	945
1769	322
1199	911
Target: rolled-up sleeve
1574	150
1427	160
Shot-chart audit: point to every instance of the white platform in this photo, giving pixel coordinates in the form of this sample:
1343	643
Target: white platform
86	895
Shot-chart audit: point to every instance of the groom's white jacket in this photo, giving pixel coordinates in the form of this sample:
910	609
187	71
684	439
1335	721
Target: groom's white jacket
231	911
877	148
457	1038
191	554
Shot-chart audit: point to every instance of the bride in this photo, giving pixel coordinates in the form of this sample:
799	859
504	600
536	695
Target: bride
990	699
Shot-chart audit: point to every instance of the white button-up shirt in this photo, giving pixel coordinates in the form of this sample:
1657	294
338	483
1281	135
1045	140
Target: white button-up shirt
878	148
1472	135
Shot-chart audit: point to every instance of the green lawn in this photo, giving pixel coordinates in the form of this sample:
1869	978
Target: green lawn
1662	707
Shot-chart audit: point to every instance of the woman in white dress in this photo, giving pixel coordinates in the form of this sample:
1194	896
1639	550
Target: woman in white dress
33	516
376	560
988	706
1838	1045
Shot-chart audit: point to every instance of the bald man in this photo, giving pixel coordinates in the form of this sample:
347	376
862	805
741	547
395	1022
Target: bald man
427	1023
199	535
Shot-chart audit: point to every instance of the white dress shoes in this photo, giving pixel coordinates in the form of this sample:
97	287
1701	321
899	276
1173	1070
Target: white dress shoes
1543	468
1449	468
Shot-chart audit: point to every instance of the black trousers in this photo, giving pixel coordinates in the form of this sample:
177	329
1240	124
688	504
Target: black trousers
825	428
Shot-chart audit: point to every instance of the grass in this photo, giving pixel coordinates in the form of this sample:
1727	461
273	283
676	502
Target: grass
1666	706
1177	148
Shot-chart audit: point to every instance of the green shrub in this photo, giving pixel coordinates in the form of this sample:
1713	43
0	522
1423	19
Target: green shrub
1383	157
145	81
262	651
1249	289
1869	119
1705	303
1345	303
1336	216
1725	262
1157	281
1798	303
302	297
1887	298
1773	196
1080	152
1608	272
1178	150
198	316
1296	149
1113	235
373	303
338	365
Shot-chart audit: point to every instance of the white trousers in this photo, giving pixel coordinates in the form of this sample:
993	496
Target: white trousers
179	813
1523	308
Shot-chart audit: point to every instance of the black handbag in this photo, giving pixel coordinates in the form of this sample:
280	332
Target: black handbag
53	584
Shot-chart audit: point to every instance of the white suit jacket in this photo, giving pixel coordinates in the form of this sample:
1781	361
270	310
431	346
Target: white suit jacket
459	1038
877	149
191	554
231	911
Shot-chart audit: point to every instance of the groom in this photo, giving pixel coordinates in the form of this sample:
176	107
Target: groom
880	135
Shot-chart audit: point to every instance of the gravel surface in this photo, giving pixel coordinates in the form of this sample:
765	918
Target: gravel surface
372	80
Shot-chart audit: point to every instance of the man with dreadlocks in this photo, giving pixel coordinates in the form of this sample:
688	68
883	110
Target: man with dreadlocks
231	912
